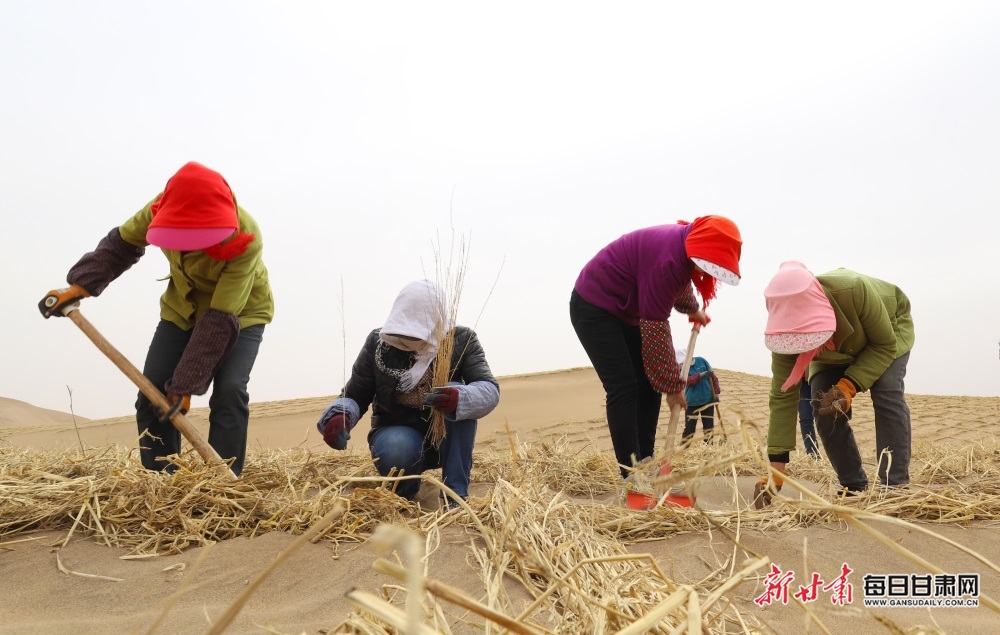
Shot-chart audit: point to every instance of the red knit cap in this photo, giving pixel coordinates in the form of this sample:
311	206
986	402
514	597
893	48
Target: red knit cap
196	211
716	240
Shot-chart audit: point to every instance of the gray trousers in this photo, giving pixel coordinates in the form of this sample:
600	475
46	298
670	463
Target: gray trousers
892	429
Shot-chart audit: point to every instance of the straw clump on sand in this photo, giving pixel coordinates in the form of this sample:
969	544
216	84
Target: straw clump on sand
556	551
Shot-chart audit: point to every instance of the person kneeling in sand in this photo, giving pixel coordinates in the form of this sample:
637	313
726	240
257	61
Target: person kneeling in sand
394	375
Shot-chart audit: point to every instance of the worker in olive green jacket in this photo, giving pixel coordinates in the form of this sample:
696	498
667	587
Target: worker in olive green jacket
212	314
843	333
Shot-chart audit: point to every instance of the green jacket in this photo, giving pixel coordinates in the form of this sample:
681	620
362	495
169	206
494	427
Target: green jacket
197	282
874	328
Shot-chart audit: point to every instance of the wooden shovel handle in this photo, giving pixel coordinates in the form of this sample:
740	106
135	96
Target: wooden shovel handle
147	388
675	412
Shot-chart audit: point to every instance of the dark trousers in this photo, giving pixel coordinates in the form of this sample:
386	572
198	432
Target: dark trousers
807	420
707	414
892	429
615	350
229	404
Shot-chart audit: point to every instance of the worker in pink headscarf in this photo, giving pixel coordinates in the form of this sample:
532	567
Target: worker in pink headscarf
843	333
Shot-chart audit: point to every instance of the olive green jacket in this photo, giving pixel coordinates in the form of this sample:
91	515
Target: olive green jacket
874	328
198	282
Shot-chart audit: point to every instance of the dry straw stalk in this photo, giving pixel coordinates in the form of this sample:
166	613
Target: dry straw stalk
450	276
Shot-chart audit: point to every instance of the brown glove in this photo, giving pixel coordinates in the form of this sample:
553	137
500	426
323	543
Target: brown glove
761	492
837	400
178	403
57	299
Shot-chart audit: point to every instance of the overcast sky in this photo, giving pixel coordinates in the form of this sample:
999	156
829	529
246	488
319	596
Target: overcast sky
361	135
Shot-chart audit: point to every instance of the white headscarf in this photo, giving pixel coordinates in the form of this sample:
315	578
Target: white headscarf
420	311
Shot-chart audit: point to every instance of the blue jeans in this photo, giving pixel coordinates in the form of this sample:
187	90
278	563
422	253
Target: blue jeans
229	404
892	429
405	448
615	350
807	419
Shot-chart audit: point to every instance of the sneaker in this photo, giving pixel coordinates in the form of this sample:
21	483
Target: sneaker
888	489
679	489
447	504
633	483
849	491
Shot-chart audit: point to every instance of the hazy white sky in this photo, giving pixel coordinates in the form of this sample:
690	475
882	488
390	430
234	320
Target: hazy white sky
359	135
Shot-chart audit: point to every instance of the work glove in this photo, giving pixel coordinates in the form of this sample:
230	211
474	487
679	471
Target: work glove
336	432
762	493
178	403
699	317
837	400
55	300
443	399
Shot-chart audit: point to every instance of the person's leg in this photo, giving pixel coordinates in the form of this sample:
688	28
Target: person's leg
690	425
156	438
838	437
892	424
708	421
647	413
229	414
603	338
399	448
456	454
806	419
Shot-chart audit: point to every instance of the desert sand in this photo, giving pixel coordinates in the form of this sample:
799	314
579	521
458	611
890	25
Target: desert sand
58	580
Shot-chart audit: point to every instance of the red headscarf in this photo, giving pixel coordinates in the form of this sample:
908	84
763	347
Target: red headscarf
197	211
717	240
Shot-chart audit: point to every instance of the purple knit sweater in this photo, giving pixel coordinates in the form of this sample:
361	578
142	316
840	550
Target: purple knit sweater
640	275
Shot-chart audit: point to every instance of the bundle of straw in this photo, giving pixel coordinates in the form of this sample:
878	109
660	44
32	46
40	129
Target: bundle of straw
450	277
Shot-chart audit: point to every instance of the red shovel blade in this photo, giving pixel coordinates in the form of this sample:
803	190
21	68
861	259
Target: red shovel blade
636	500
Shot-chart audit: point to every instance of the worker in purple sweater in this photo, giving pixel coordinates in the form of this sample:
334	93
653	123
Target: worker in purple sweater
620	308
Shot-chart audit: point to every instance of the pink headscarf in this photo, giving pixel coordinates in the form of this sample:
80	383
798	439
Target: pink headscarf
800	318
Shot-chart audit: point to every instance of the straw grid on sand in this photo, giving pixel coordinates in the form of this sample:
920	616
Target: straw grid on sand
555	549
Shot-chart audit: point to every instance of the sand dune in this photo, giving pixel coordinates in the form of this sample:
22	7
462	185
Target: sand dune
566	402
20	416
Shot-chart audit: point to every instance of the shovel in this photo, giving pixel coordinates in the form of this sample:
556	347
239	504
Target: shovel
676	496
147	388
